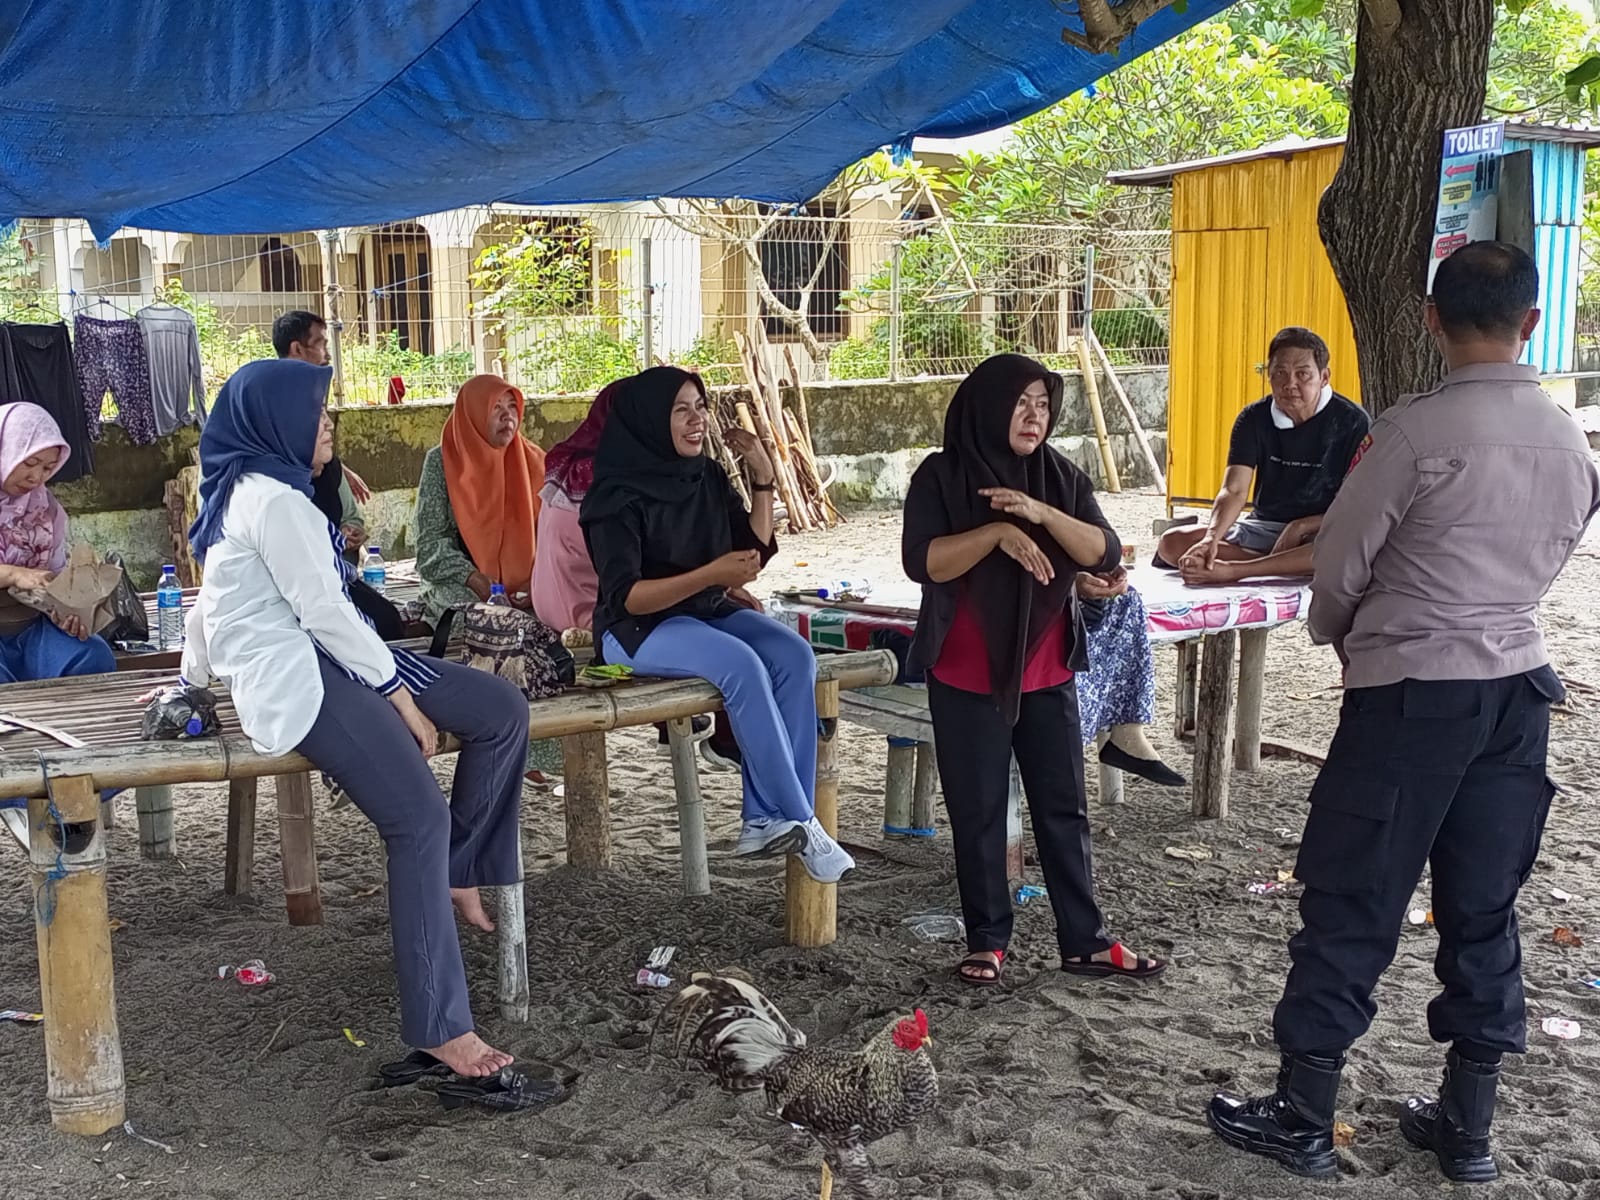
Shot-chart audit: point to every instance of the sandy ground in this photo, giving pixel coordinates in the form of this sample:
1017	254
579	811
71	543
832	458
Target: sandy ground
1051	1087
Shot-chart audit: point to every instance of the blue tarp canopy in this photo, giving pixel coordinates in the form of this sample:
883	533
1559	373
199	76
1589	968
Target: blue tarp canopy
230	116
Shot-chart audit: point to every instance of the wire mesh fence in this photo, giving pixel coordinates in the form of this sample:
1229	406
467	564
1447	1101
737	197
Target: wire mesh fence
564	300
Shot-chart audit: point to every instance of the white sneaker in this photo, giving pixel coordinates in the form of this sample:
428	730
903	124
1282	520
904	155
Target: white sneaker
765	837
823	858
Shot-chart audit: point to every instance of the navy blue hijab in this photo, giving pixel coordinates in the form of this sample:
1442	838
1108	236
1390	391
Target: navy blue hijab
264	422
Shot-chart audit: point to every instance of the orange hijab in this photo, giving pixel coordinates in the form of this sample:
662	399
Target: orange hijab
493	493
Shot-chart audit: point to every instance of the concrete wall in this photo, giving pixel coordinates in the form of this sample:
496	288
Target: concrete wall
871	436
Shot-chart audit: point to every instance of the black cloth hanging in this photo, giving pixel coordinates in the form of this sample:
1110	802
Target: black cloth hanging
36	366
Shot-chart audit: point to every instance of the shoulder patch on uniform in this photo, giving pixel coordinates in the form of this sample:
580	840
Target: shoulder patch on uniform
1366	444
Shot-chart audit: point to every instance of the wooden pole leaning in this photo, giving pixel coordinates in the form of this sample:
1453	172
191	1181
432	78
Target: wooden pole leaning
812	908
83	1049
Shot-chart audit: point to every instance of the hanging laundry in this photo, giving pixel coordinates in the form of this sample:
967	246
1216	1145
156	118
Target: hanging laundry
111	357
172	344
36	367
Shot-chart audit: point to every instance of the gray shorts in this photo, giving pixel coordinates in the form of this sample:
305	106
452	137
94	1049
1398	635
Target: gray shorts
1256	536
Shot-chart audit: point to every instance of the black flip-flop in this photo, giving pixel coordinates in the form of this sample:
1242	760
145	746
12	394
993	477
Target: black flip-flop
977	971
1124	964
510	1090
419	1064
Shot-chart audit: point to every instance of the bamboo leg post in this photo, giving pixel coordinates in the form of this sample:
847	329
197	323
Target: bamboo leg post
1110	778
1091	392
1188	682
1016	869
811	908
588	800
691	808
1214	715
927	785
1252	681
512	929
297	844
83	1050
900	784
240	854
157	839
108	813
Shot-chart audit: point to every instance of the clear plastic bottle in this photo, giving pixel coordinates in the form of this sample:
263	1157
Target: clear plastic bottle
858	589
497	596
169	609
372	570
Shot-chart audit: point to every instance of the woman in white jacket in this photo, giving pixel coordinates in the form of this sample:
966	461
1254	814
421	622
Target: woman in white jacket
307	672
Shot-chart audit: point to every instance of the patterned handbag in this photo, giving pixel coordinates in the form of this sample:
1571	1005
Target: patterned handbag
510	643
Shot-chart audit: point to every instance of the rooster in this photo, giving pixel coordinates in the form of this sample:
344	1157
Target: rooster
844	1101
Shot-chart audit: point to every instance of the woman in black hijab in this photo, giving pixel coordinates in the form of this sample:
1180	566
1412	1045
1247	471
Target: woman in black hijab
673	547
997	529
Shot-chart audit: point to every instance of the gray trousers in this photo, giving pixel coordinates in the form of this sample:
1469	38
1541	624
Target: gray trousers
432	845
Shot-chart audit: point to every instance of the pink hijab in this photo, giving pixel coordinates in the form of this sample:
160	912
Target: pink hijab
33	526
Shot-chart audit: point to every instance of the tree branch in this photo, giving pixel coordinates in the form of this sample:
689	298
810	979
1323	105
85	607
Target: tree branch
1106	26
1385	15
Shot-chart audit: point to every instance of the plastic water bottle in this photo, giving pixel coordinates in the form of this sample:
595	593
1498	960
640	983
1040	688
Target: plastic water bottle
859	588
372	571
169	609
497	596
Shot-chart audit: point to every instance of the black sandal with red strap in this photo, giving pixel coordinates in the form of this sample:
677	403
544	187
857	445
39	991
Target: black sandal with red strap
1123	963
975	969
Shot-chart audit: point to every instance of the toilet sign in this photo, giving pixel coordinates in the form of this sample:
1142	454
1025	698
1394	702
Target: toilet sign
1469	186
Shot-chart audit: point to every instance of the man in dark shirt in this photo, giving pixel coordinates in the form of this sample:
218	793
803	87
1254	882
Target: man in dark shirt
1295	447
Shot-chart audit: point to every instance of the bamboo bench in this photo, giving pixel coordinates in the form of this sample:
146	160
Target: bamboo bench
62	783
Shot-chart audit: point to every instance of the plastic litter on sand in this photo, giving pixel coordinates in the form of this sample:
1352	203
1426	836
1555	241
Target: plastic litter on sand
1560	1027
251	974
19	1017
936	927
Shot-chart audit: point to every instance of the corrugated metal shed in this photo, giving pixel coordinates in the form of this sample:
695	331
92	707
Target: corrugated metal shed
1248	260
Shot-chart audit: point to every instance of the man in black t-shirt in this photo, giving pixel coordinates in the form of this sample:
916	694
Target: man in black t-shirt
1295	446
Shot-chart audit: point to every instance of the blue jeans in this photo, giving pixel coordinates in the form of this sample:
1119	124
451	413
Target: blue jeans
767	675
42	651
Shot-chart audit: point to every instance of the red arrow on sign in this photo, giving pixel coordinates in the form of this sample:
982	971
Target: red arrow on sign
1463	169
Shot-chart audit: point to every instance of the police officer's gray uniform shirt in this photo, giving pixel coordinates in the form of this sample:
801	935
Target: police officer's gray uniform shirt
1464	506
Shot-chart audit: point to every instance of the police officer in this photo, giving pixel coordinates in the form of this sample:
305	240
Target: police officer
1464	506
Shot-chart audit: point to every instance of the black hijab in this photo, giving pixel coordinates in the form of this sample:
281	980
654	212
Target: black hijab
637	461
1014	610
325	491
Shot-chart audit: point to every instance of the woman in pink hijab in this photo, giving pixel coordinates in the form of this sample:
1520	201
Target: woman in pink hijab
33	548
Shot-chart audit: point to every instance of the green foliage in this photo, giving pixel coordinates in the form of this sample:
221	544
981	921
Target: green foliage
1130	329
21	297
579	359
368	369
1204	93
542	268
862	357
716	358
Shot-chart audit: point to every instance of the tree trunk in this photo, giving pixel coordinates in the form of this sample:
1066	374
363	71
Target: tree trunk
1377	214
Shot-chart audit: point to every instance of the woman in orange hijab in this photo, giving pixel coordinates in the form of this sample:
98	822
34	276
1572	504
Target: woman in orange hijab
478	501
477	507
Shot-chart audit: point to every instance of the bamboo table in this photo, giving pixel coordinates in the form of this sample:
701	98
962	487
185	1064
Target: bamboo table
68	847
1217	624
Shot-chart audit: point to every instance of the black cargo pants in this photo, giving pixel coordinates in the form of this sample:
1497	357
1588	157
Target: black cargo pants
1450	773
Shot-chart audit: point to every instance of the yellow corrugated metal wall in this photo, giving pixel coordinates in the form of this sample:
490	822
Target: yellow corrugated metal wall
1247	260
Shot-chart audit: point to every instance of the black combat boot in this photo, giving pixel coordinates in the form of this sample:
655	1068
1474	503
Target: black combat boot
1294	1125
1456	1125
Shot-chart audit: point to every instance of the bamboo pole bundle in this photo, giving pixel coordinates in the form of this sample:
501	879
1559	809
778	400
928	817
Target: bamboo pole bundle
810	476
787	489
1127	407
1091	392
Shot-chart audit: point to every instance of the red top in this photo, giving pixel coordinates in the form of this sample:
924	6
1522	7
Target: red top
964	658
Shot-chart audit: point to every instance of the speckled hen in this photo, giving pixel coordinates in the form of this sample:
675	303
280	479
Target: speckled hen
846	1101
